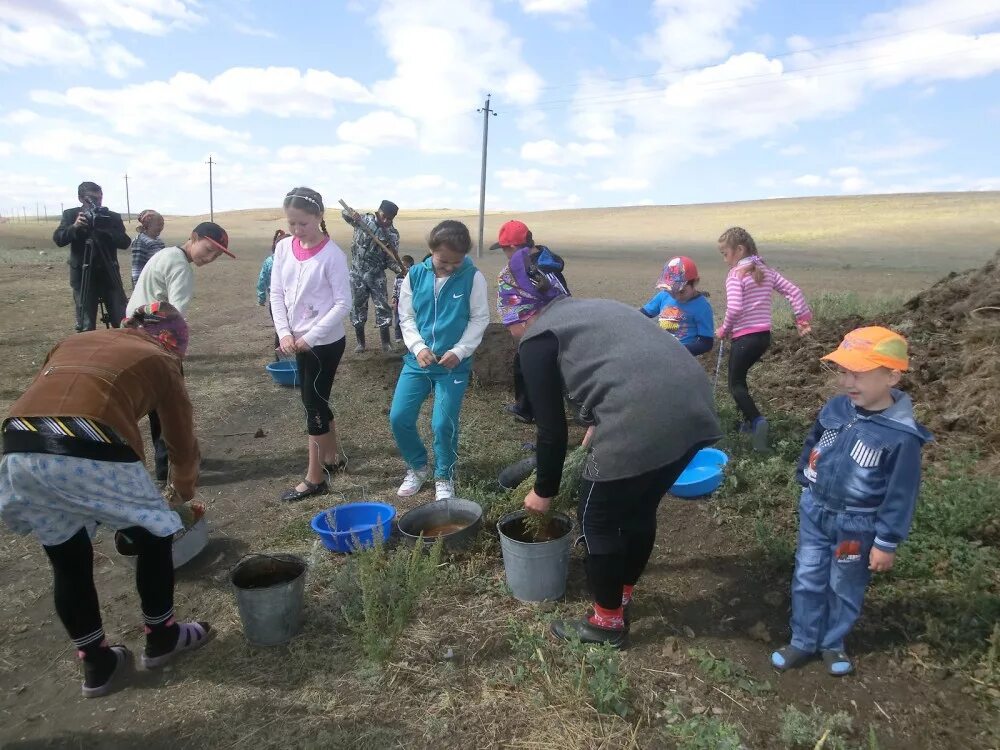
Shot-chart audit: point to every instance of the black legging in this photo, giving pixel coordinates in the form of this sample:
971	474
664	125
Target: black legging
744	353
73	580
618	521
317	368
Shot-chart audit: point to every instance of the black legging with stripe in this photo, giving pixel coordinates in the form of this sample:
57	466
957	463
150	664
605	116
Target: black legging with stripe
76	596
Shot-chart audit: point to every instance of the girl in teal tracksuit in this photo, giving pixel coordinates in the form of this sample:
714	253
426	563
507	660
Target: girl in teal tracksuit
443	313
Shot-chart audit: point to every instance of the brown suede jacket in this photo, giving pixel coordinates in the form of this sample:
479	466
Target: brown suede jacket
116	377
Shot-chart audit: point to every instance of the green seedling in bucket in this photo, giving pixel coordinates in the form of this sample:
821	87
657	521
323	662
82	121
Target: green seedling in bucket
538	525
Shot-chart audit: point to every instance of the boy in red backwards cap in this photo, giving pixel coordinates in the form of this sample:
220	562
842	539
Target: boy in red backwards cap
860	473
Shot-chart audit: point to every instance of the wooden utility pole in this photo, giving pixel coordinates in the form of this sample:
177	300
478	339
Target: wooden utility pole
211	191
128	205
482	176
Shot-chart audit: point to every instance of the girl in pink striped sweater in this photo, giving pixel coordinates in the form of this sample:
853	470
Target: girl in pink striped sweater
749	287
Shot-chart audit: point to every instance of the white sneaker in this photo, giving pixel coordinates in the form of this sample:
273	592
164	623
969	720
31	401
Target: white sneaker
412	482
444	489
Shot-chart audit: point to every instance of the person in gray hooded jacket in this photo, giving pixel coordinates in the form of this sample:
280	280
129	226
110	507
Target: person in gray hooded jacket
651	408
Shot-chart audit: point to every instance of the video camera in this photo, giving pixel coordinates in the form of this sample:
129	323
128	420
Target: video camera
98	217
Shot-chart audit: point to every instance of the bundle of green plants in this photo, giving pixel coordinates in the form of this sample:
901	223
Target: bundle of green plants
536	524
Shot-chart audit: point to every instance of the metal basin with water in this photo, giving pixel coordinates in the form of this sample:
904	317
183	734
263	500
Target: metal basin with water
456	520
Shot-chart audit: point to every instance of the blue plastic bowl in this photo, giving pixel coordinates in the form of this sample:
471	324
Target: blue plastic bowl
702	476
354	525
284	372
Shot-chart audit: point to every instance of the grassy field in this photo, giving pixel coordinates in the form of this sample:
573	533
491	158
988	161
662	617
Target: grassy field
470	666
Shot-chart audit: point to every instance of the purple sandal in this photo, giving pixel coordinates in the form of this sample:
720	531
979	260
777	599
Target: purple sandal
191	636
121	670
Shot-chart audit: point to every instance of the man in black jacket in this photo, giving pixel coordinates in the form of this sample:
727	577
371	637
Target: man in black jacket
94	235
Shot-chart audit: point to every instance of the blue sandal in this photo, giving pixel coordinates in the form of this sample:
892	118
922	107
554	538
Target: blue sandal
789	657
838	663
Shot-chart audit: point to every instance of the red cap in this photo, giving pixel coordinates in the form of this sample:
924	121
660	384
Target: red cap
677	273
513	233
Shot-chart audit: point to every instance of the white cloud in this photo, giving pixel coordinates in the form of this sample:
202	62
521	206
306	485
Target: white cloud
61	33
906	148
379	128
528	179
20	117
248	30
793	150
341	153
750	96
447	57
6	149
623	184
693	32
553	6
72	144
810	180
550	153
280	92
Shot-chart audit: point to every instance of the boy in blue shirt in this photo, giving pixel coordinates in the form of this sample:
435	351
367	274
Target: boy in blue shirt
680	308
860	473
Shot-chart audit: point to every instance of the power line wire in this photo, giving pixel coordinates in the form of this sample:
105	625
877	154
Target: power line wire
777	77
833	45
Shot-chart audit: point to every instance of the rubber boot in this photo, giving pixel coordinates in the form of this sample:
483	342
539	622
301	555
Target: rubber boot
383	333
359	331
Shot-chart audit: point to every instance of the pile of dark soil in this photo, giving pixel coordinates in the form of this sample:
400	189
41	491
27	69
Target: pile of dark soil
954	333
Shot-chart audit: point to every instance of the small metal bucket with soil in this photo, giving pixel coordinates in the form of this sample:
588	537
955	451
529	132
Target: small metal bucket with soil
270	590
455	521
536	554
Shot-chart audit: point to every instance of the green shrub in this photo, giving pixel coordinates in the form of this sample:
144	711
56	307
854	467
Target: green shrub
700	732
380	590
804	730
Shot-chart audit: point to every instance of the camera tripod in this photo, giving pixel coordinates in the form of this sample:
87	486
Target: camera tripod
93	250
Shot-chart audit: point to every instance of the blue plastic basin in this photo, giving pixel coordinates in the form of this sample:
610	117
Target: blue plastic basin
284	372
354	525
702	476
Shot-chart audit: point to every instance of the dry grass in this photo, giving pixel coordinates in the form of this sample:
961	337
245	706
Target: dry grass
318	691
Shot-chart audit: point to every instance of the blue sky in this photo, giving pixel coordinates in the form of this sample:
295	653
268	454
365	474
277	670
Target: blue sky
601	102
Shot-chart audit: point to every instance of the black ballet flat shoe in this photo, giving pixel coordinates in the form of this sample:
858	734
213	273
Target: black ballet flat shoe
293	495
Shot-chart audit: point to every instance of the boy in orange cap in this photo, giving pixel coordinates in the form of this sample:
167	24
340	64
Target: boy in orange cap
681	308
860	473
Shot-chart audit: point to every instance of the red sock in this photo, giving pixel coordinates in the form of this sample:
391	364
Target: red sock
611	619
627	594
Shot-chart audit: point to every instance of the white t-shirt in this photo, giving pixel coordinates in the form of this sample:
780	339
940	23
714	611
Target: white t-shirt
166	277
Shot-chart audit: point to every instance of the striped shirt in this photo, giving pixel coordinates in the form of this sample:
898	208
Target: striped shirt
748	304
144	247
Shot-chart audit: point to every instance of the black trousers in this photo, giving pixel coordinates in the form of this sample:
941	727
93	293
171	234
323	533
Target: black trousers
100	287
161	457
317	368
744	353
73	580
618	522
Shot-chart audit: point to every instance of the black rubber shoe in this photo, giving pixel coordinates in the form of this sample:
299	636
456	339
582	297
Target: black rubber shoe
588	633
293	495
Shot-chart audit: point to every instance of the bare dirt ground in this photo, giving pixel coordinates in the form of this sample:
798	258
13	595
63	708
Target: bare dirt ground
705	590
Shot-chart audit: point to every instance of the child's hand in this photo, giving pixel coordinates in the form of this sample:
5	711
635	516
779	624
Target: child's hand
449	360
287	345
805	328
301	345
720	333
880	561
426	357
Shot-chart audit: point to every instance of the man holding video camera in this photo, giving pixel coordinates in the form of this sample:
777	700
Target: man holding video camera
94	235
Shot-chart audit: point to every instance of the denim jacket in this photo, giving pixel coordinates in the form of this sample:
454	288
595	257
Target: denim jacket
866	464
